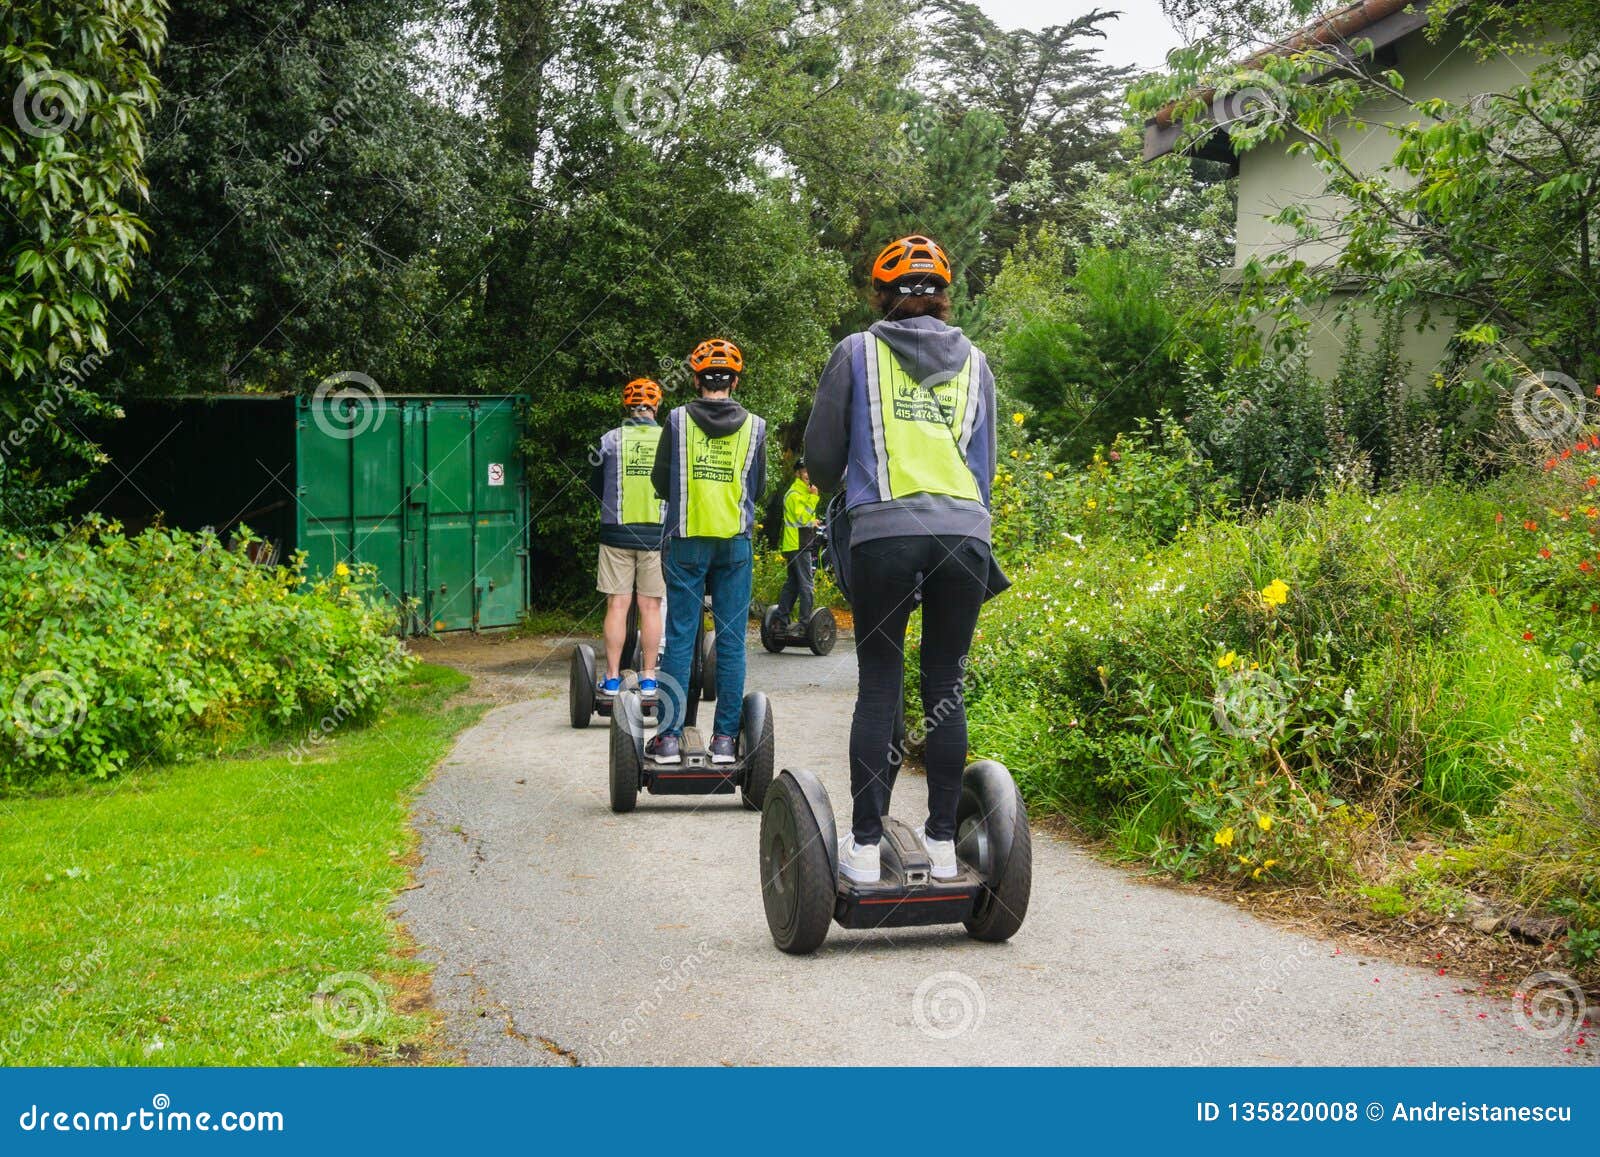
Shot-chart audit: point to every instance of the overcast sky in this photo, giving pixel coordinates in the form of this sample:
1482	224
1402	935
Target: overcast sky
1141	35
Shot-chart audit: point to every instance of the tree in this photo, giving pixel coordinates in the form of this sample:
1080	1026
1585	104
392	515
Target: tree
78	79
1059	103
309	198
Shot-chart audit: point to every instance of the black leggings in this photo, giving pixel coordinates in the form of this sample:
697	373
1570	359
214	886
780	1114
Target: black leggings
885	574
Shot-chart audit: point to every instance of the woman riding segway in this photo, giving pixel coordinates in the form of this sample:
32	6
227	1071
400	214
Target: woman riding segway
904	421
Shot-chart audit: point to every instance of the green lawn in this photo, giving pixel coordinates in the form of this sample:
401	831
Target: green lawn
192	914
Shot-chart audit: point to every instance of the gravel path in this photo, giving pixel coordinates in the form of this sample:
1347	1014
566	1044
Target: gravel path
565	934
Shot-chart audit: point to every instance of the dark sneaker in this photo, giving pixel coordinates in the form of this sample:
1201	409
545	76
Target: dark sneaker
663	749
724	749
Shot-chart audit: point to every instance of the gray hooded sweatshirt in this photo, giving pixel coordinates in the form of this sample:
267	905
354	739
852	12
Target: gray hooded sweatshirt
839	443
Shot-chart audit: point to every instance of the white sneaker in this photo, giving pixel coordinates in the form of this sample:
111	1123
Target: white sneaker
859	864
943	855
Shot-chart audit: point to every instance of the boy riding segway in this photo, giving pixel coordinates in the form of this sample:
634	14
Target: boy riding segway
710	468
630	537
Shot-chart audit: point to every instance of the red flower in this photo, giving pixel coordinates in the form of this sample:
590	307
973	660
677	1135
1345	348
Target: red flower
1586	566
1591	482
1499	517
1530	525
1549	465
1527	636
1544	552
1594	608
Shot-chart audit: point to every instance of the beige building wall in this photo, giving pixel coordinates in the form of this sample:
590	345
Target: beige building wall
1270	179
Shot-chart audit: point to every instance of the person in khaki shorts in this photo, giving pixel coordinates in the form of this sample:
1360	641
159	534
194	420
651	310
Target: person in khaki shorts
630	535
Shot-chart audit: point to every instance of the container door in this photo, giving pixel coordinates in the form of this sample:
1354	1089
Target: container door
499	499
449	469
351	481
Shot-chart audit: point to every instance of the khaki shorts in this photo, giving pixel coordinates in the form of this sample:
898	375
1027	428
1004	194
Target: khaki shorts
624	572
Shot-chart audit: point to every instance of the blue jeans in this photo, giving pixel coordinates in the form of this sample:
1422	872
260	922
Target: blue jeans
696	567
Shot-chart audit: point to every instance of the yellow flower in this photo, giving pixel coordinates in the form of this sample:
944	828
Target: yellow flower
1256	875
342	571
1227	660
1264	823
1102	671
1275	593
1224	838
1049	477
1243	859
1269	863
1092	504
1013	453
1017	419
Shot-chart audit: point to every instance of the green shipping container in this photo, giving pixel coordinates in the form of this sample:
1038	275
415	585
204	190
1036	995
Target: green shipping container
429	489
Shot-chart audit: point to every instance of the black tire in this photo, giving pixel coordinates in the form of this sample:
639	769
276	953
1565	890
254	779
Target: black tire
757	750
624	758
992	834
771	637
797	878
708	666
822	632
580	686
631	658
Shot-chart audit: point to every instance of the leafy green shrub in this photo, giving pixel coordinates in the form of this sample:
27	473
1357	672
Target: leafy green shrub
1266	698
116	649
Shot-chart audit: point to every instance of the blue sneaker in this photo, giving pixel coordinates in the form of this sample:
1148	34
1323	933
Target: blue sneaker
647	690
610	687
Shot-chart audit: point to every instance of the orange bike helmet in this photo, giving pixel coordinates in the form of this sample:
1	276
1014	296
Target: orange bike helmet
912	256
641	392
716	354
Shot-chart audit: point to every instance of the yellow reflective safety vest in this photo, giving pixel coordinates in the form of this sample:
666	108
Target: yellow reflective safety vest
637	455
921	430
712	502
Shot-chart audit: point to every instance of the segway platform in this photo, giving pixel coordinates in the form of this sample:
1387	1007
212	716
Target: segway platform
906	894
819	632
633	771
803	892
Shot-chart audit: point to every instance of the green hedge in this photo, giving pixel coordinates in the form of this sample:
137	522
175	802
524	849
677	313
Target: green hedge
116	649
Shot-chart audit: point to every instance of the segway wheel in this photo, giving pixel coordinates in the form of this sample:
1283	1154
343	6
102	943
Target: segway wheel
992	835
797	878
822	631
631	657
708	666
580	686
624	754
756	750
771	634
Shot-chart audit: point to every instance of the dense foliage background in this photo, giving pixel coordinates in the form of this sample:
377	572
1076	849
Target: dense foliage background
1388	568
